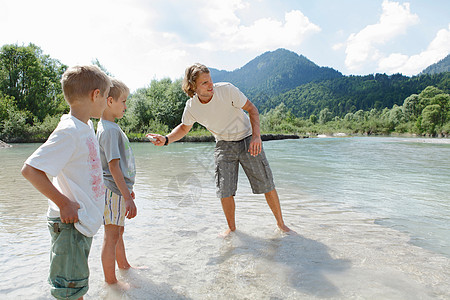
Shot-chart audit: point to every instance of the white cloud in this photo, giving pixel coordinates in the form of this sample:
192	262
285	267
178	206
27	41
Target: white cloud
362	46
338	46
118	33
400	63
220	16
127	37
228	34
140	40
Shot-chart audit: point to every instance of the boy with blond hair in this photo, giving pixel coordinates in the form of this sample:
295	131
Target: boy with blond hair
119	172
71	155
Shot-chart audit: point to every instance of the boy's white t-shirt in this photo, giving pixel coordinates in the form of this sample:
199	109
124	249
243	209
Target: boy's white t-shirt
71	156
223	115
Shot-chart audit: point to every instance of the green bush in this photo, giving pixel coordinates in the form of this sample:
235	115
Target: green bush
42	130
15	127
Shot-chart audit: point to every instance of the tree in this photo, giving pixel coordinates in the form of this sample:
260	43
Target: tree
411	107
430	92
348	117
32	78
138	114
325	116
396	115
97	63
161	103
13	125
360	116
426	96
275	117
431	117
6	102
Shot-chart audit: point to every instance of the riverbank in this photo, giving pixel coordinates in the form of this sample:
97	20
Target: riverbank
264	137
4	145
207	138
210	138
271	137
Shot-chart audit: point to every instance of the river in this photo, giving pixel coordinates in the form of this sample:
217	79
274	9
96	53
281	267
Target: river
372	216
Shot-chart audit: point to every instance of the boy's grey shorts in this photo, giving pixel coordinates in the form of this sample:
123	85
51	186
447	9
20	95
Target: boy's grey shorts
228	156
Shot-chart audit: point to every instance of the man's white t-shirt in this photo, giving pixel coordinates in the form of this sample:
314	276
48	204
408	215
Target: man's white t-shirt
223	115
71	155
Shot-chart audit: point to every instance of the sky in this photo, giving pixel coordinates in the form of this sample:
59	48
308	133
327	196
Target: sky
138	41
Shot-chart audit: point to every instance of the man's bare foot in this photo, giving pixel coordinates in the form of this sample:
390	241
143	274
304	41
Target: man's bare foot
286	229
226	233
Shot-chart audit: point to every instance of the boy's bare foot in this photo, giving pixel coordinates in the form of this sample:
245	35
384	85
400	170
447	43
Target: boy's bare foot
127	267
134	268
119	285
140	268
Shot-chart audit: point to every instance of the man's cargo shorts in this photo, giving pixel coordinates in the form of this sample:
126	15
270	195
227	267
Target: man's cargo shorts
228	155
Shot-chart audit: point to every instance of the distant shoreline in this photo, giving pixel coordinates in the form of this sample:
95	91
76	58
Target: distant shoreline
210	138
264	137
191	139
272	137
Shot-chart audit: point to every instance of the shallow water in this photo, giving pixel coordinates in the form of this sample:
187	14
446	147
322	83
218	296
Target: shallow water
372	216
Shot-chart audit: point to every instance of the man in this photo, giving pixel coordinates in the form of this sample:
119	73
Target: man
219	107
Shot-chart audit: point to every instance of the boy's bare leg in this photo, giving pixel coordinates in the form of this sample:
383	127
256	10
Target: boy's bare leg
121	256
112	234
274	203
111	237
228	207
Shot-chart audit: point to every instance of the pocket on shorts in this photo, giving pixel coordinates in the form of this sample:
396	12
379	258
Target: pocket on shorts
61	236
266	167
217	176
268	171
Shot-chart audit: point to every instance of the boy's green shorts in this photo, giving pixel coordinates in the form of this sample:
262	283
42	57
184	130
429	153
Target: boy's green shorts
69	271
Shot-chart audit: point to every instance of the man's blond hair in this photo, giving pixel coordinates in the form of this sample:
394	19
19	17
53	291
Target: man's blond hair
79	81
118	88
190	76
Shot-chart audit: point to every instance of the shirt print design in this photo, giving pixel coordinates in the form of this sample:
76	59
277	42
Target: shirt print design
95	169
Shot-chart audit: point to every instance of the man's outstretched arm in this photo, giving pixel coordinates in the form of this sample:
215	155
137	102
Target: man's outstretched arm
177	134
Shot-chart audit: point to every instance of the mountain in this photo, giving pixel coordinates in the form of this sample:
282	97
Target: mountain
441	66
273	73
305	88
